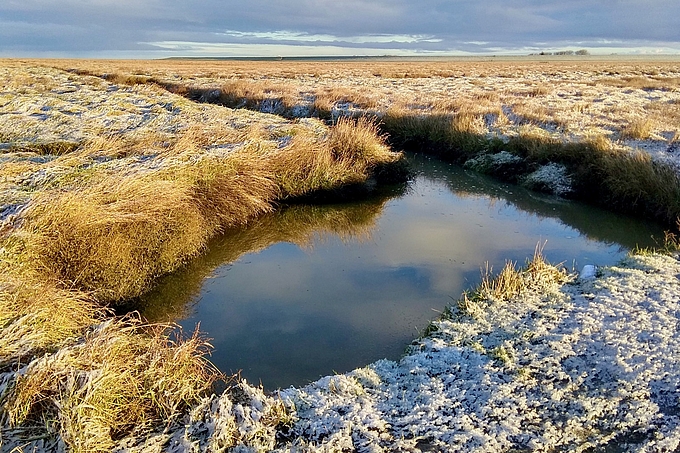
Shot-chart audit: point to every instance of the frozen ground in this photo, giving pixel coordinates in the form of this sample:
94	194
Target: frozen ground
591	365
588	366
568	101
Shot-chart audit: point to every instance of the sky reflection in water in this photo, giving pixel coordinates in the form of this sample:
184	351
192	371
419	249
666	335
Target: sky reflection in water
314	290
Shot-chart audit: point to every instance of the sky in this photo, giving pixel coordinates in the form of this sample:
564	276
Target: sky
227	28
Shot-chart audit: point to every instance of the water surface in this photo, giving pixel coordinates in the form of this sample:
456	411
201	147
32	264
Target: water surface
313	290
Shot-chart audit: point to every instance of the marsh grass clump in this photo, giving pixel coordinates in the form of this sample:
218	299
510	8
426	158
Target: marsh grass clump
506	285
38	318
511	283
638	129
629	181
450	136
349	154
58	148
121	377
128	79
638	183
325	100
239	93
114	237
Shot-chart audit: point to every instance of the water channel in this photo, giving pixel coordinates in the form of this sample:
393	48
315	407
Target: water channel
312	290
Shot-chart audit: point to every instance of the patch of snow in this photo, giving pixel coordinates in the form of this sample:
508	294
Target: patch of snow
553	177
587	272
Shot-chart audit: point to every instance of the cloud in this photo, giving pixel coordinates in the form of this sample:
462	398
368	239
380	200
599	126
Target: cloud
291	36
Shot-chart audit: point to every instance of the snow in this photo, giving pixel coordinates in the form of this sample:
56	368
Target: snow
552	176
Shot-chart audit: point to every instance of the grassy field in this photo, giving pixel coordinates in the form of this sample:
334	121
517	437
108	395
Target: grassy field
115	173
612	126
104	189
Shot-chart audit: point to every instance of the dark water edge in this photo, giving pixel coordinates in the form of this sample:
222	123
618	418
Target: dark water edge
315	289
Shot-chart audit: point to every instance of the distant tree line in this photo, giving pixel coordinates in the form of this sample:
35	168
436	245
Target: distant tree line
564	52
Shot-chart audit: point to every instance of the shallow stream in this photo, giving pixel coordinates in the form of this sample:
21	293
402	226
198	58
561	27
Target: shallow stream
313	290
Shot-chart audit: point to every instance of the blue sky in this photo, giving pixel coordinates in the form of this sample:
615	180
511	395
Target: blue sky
165	28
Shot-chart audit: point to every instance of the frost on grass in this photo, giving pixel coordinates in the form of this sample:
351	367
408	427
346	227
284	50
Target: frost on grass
502	164
550	178
591	365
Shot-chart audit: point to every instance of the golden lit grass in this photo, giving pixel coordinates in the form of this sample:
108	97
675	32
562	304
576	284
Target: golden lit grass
114	237
453	136
254	94
536	113
629	181
88	379
638	129
348	155
643	82
122	376
37	317
667	117
638	181
326	99
511	283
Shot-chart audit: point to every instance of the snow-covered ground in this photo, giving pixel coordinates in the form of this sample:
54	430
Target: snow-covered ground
589	365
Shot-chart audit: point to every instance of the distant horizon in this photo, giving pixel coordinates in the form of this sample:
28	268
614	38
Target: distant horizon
331	57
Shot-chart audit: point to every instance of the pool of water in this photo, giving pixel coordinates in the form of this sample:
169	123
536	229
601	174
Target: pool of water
313	290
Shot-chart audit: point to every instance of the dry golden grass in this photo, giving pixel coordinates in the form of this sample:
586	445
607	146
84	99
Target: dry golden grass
642	184
511	283
253	94
605	174
114	237
531	112
38	317
638	129
452	136
506	285
122	376
348	155
643	82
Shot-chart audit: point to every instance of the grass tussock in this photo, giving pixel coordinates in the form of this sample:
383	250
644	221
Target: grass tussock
114	237
639	129
351	153
58	148
278	98
451	136
628	181
511	283
647	82
40	318
325	100
642	184
123	376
